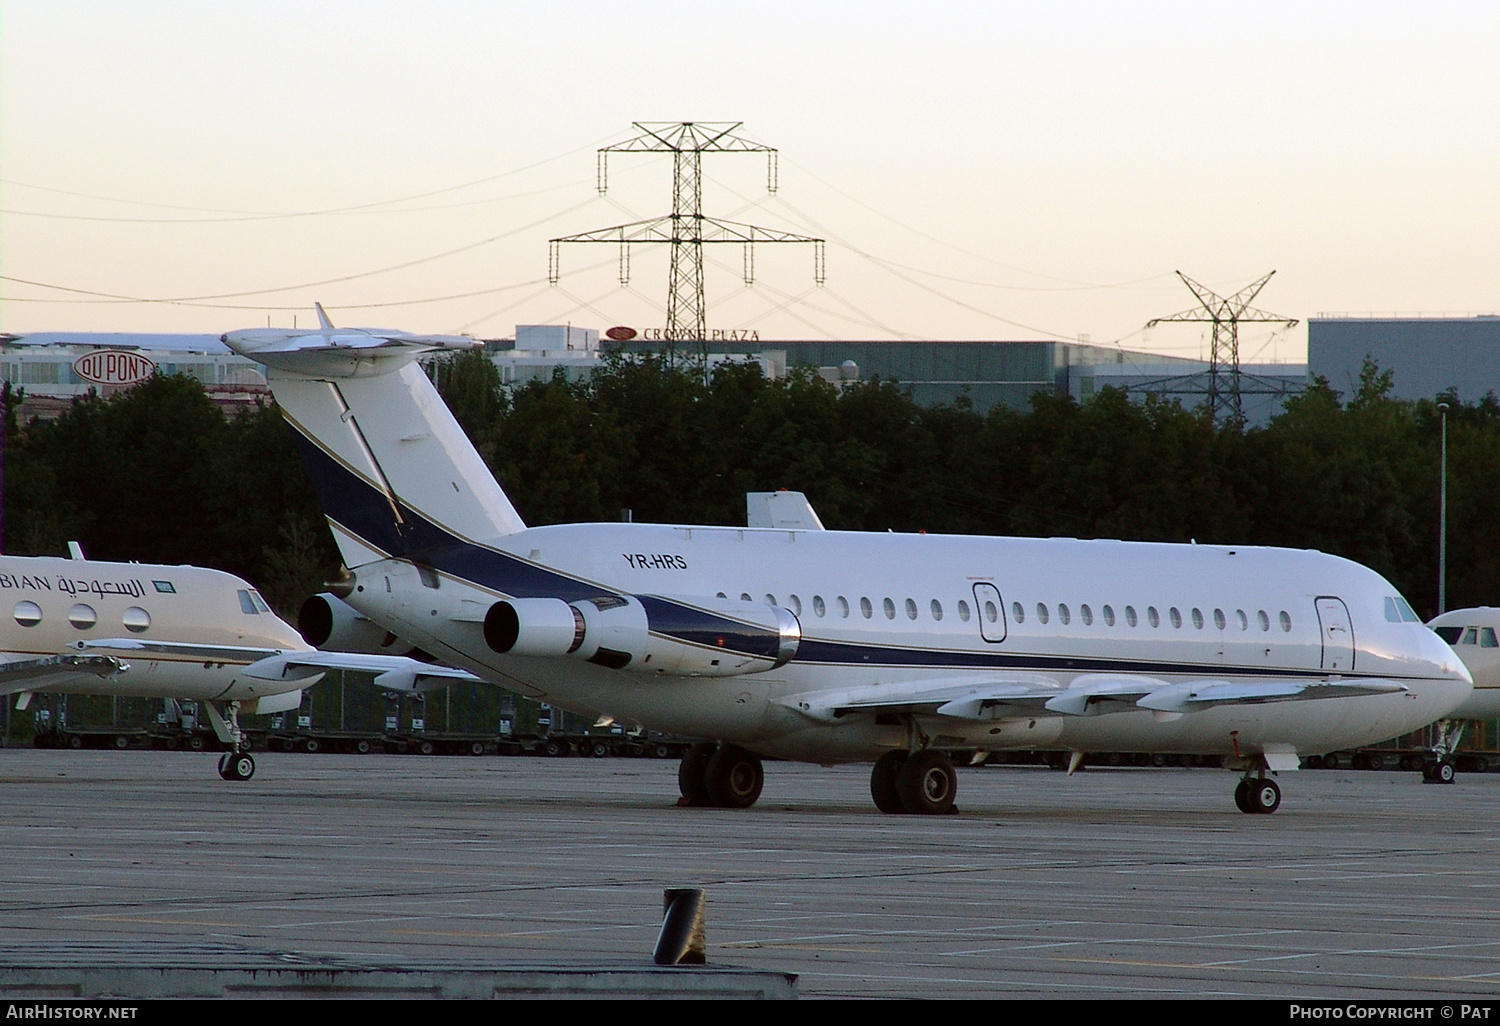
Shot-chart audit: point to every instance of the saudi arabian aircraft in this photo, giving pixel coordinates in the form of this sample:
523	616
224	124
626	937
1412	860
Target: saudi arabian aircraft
1473	635
138	630
832	646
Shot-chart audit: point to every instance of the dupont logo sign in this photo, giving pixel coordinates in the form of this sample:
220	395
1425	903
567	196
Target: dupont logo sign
113	367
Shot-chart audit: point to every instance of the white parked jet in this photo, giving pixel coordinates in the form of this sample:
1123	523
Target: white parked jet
1473	635
831	646
85	627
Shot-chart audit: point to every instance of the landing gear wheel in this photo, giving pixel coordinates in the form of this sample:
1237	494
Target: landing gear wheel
1439	772
927	783
236	766
883	782
733	777
1258	796
1242	796
692	775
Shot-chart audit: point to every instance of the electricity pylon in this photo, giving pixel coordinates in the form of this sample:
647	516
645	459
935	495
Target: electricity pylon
686	228
1226	315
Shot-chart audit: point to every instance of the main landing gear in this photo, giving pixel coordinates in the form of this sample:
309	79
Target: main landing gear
235	764
721	776
923	782
1257	794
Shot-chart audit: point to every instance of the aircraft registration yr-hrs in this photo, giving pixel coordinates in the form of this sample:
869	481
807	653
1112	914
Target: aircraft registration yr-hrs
89	627
829	646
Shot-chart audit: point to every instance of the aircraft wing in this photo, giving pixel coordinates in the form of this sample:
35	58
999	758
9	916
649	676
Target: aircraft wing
40	672
394	673
1087	695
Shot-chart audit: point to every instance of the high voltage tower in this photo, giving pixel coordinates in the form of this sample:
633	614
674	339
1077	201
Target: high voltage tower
1226	315
686	229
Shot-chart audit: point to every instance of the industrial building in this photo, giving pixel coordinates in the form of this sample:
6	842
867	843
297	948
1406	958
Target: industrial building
56	367
1426	355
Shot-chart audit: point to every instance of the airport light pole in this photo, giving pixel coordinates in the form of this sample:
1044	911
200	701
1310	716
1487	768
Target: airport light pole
1443	517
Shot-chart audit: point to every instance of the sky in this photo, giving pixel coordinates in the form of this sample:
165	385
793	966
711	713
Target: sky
979	170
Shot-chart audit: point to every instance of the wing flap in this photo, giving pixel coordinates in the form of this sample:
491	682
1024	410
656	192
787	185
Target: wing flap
42	672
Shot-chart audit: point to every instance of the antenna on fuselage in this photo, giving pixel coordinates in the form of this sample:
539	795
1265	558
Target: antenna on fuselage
323	321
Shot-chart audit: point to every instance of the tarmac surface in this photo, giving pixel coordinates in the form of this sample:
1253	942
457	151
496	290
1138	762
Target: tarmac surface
1111	883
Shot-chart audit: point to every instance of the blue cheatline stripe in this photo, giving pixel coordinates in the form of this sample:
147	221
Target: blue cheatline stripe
698	627
364	511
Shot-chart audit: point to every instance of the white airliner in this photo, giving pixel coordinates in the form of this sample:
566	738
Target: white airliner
1473	635
832	646
86	627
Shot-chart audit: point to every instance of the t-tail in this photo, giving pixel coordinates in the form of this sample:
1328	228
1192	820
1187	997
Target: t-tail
395	473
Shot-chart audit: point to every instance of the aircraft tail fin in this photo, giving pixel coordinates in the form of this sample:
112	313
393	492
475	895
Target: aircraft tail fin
395	473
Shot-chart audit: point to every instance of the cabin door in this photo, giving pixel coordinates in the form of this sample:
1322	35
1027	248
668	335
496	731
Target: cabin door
1338	634
991	612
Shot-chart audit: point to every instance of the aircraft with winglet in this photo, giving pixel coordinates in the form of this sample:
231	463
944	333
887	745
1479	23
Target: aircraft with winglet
801	643
90	627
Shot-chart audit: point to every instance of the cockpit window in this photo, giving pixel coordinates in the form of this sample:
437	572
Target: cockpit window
1407	612
261	607
1392	613
246	605
1487	638
1471	636
1448	634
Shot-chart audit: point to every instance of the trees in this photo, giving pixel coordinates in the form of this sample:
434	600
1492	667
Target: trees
160	474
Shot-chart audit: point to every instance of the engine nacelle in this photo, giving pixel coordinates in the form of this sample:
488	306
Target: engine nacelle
648	634
327	621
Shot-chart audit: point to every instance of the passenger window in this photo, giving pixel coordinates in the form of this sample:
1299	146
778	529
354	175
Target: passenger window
83	617
890	609
963	610
723	596
796	605
911	609
1286	621
1109	616
1041	611
1244	620
1086	614
1152	616
1265	621
1130	616
1175	617
745	597
1017	613
136	619
1219	620
937	609
818	608
28	613
865	608
1197	618
770	600
843	604
993	615
1487	638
